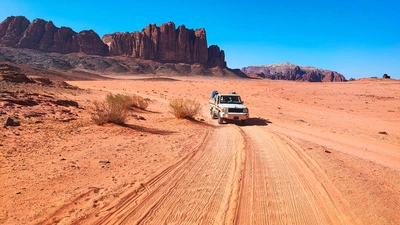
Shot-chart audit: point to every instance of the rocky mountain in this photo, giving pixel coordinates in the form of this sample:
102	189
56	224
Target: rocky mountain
288	71
162	44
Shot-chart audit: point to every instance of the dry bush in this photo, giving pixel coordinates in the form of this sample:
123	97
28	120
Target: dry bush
139	102
114	110
184	108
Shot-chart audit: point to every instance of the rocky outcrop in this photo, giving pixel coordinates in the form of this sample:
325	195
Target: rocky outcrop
18	32
166	44
163	44
288	71
13	74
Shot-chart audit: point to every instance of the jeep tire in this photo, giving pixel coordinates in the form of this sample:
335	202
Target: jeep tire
212	114
220	120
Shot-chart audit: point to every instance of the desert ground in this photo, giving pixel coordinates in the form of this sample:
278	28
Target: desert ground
311	153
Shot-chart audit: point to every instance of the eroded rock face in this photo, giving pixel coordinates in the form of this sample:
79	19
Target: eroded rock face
166	44
18	32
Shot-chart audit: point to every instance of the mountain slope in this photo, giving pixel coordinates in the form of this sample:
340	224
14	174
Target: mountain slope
61	66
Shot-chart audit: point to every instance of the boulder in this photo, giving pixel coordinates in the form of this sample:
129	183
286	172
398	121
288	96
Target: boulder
67	103
10	122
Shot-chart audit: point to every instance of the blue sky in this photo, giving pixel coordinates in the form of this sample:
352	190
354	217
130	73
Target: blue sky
358	38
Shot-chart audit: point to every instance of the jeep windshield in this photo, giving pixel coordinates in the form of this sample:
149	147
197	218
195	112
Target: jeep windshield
228	99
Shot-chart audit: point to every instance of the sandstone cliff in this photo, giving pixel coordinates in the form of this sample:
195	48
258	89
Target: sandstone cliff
166	44
163	44
288	71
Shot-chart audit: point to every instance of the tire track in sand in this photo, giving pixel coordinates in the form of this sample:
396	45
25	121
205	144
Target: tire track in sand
280	186
237	175
202	189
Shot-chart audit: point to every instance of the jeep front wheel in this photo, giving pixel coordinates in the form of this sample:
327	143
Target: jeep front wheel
220	120
212	114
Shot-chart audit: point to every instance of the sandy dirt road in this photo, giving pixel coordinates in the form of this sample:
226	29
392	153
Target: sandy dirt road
237	175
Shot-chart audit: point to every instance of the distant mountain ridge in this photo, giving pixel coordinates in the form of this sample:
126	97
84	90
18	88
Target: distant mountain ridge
162	44
289	71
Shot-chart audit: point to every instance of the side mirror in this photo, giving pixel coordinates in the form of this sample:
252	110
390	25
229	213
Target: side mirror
242	102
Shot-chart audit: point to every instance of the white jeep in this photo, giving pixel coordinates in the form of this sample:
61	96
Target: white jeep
225	107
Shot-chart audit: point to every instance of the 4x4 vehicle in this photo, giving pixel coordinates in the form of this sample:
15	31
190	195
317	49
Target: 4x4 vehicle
225	107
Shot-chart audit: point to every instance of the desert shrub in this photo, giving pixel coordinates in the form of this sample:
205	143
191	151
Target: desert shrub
114	110
184	108
139	102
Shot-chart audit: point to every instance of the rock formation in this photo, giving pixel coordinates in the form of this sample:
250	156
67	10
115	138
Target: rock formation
288	71
166	44
13	74
163	44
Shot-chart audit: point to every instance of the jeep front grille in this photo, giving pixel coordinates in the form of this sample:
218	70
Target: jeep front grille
237	110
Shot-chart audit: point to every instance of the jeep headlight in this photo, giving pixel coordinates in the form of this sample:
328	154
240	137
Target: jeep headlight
246	110
222	109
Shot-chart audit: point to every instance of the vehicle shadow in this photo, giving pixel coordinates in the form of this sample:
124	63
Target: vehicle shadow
256	122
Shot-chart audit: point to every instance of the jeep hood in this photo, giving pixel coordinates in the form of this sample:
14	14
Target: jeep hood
238	106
